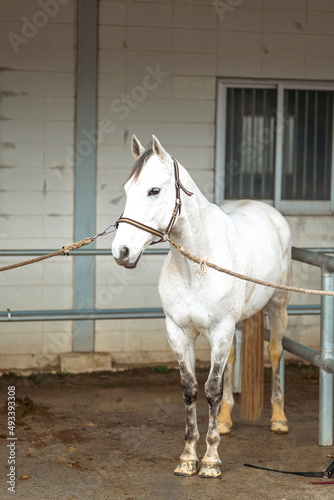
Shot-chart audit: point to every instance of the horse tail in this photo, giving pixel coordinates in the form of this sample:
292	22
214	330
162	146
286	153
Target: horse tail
252	380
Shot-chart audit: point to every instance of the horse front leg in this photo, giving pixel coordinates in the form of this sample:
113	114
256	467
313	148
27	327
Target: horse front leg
183	346
220	340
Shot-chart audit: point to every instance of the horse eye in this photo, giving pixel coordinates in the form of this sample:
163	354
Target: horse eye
154	192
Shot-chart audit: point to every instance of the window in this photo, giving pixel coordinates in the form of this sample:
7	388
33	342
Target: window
274	143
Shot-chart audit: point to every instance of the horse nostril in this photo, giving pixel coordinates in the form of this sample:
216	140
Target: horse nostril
124	253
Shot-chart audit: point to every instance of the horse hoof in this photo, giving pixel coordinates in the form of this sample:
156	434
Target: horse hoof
210	471
279	426
187	468
224	428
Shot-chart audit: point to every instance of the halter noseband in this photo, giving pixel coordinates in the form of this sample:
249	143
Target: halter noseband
175	213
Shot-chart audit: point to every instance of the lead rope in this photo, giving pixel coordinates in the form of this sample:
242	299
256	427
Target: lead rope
62	251
203	263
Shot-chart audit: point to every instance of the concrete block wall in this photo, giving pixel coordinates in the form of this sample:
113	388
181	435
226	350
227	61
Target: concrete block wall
188	44
37	84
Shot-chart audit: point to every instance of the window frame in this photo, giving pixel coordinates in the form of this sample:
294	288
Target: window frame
289	207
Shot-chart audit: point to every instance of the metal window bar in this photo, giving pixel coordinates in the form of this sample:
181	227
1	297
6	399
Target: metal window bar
231	165
315	143
253	143
307	116
294	173
250	145
265	151
305	145
326	180
242	112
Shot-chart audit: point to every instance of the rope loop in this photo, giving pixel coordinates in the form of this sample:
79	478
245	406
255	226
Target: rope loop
203	267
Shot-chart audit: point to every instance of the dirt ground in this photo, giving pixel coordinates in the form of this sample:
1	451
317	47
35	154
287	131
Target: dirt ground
119	435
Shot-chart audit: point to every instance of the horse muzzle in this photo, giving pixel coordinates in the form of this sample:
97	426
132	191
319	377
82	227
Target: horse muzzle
124	258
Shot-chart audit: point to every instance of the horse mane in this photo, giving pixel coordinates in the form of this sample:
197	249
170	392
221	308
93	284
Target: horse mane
139	165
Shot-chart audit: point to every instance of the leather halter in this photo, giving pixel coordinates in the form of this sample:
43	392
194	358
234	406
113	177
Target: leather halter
175	213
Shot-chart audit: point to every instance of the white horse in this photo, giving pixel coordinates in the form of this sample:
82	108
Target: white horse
249	237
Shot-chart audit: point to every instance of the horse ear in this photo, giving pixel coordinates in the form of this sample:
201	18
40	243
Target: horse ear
136	148
158	149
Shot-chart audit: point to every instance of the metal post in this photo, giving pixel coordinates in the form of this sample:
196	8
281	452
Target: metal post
326	352
85	171
282	373
237	364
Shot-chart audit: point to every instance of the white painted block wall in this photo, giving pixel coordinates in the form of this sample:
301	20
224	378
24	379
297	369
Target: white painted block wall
37	83
195	43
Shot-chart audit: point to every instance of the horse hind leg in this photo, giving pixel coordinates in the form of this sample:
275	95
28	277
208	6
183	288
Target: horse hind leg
278	317
224	418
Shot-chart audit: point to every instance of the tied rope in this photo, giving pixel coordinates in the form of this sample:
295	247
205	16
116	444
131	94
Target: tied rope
203	263
63	251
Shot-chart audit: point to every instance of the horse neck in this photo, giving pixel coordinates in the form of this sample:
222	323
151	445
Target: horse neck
190	230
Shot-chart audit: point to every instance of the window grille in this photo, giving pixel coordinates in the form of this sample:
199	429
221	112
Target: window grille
275	143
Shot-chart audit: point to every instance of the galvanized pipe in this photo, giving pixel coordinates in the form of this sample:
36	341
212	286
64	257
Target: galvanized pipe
326	383
81	251
313	258
81	314
297	253
305	353
237	365
99	314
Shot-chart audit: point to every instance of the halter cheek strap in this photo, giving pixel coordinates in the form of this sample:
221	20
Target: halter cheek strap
175	213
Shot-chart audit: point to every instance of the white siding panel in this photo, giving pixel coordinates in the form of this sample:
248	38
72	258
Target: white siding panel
37	82
191	44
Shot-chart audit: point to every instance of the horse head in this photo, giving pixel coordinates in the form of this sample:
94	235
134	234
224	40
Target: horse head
150	198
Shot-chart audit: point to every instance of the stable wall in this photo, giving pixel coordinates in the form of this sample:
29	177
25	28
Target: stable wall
37	83
189	44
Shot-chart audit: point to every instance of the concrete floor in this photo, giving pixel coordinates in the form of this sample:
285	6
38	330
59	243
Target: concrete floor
119	436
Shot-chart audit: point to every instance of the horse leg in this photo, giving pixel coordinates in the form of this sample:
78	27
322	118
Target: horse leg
278	316
184	349
220	340
224	418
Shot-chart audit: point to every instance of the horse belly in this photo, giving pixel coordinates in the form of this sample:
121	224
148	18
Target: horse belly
256	301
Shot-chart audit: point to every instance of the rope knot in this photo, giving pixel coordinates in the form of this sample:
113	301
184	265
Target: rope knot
74	246
203	267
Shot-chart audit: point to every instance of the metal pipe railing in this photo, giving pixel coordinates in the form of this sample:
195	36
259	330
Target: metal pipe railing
296	252
304	352
81	251
313	258
99	314
80	314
